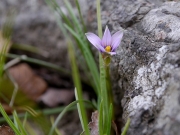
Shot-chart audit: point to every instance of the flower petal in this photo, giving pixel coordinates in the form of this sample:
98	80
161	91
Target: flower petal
106	40
116	40
95	40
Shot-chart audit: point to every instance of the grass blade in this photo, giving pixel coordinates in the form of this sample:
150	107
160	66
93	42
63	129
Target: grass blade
56	129
101	118
30	48
5	38
39	62
80	111
61	115
51	111
66	109
109	120
89	59
59	15
80	39
25	119
126	127
78	89
20	126
11	124
5	43
80	14
79	35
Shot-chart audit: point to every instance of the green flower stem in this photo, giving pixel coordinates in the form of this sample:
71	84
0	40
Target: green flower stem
99	18
108	86
107	60
104	94
105	83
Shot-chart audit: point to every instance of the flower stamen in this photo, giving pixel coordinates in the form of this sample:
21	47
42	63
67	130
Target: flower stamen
108	48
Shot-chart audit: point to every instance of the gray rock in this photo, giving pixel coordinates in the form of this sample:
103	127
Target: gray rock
145	71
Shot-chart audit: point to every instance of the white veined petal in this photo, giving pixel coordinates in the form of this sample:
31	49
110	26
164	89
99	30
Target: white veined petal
95	40
106	40
116	40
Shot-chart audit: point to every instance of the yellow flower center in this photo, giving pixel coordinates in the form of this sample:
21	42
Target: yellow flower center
108	48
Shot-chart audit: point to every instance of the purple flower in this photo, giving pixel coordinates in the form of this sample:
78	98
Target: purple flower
108	44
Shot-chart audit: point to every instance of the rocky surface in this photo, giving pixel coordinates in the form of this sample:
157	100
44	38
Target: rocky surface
145	70
35	25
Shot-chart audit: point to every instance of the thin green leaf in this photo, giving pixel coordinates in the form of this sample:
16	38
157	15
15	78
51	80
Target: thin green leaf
30	129
61	13
82	133
101	118
30	48
39	62
11	124
5	44
78	31
79	111
58	14
126	127
8	25
5	38
15	89
89	59
15	122
52	111
29	110
79	35
62	114
25	119
20	125
110	120
80	14
56	130
78	27
78	91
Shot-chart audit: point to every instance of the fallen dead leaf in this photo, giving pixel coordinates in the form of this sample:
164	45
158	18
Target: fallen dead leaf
115	127
31	84
7	108
93	125
6	130
53	97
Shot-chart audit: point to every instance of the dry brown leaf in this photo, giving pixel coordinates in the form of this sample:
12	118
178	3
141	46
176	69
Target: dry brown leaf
6	130
31	84
7	108
93	125
115	127
53	97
